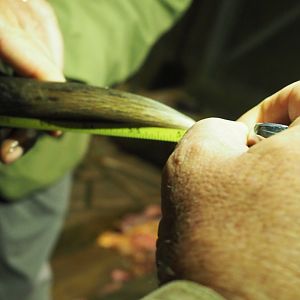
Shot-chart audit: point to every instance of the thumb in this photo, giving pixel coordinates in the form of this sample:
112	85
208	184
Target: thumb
199	156
208	146
216	138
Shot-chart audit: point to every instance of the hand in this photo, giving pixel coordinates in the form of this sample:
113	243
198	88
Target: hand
231	213
30	41
282	107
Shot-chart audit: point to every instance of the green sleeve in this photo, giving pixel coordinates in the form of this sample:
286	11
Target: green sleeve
183	290
107	40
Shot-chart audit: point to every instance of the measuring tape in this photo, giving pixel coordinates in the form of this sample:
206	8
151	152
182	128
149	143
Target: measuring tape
116	130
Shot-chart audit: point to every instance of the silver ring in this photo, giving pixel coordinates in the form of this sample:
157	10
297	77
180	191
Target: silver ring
268	129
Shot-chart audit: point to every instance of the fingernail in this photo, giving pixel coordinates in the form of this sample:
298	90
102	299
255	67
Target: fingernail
254	139
57	133
11	151
13	145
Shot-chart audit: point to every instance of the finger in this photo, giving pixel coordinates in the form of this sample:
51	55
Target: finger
51	27
282	107
214	138
10	151
56	133
28	33
290	138
32	61
200	150
39	20
285	144
18	143
209	145
207	148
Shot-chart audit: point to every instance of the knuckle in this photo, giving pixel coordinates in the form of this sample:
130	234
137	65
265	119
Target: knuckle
208	123
189	148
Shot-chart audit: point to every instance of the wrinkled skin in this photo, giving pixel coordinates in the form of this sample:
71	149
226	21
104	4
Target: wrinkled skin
31	43
231	213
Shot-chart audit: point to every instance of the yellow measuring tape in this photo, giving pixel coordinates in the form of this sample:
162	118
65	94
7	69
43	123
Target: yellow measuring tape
107	129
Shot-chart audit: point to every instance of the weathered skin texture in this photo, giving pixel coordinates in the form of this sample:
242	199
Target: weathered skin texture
231	214
30	40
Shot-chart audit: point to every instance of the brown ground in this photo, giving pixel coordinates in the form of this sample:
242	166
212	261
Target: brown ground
108	185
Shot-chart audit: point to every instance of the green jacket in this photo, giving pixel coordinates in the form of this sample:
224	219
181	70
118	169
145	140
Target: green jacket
105	42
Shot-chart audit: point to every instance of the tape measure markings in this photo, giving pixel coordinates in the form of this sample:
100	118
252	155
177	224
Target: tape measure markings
150	133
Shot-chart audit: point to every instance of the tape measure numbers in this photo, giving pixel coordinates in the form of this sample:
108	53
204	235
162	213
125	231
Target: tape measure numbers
149	133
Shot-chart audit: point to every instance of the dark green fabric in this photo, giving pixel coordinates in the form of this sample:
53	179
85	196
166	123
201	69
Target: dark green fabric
183	290
105	42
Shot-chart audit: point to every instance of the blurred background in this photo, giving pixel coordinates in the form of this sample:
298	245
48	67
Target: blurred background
222	58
